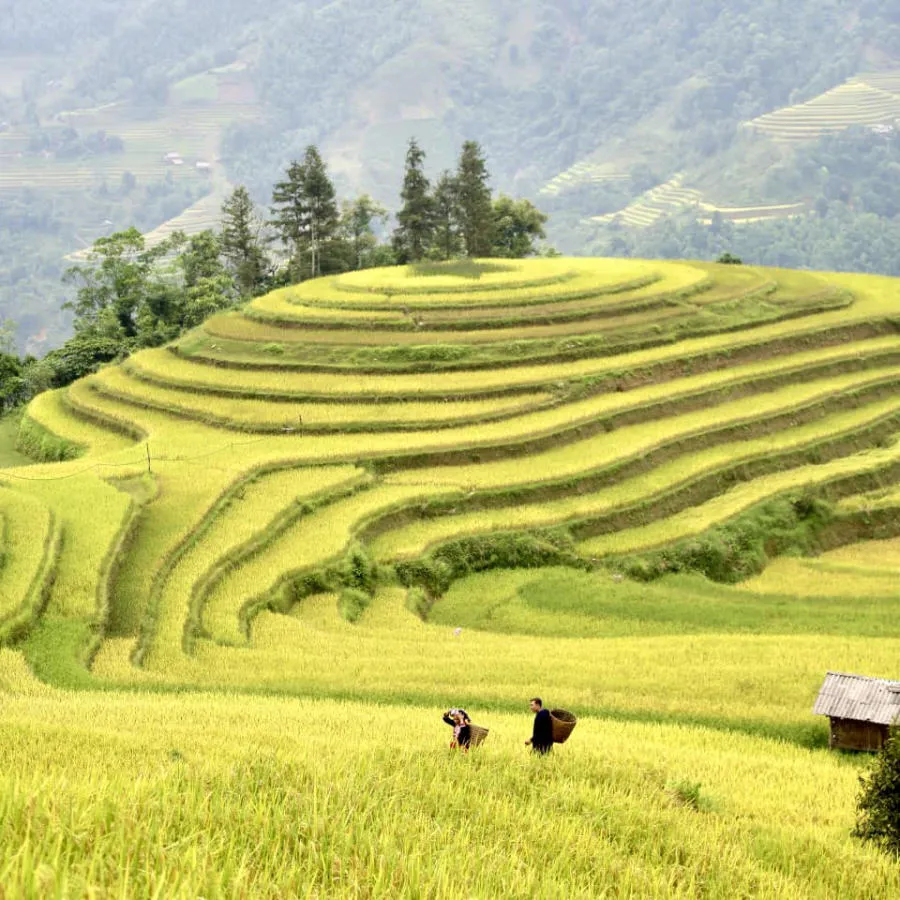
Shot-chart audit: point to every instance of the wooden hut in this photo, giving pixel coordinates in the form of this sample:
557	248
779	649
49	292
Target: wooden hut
861	710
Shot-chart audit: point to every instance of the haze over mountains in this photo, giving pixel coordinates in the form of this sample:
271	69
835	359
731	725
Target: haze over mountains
626	122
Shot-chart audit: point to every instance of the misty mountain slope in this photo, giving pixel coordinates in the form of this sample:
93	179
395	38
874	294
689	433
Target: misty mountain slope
633	96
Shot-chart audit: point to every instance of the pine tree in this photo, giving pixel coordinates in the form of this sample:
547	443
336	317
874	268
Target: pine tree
242	244
415	223
474	197
323	216
305	212
288	212
447	241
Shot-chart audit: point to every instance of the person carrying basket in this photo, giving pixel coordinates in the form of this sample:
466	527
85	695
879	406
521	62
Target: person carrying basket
462	731
542	733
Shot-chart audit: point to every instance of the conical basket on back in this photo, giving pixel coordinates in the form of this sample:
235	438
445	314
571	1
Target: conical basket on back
563	723
477	735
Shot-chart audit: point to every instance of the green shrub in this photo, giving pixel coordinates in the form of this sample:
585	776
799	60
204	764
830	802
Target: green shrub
357	570
687	793
418	602
352	603
741	548
482	553
42	445
878	804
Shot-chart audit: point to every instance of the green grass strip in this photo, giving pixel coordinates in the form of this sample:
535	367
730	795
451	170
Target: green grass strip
29	548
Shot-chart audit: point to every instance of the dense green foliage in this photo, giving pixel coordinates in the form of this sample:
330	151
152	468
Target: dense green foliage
878	804
38	228
130	296
305	214
852	184
415	218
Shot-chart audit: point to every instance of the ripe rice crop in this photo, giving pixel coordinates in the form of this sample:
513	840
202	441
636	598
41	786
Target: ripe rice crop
27	551
870	307
741	497
308	542
676	675
569	280
259	415
869	569
638	491
211	584
247	513
51	411
160	366
231	326
655	430
162	800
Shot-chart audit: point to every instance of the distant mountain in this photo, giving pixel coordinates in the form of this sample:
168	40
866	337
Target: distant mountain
584	105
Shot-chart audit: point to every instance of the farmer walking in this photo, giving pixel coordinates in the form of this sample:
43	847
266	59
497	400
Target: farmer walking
542	734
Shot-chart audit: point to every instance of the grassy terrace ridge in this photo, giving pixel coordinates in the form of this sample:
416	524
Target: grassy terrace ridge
29	550
486	348
701	332
258	415
435	285
594	309
681	482
161	367
586	298
421	329
250	533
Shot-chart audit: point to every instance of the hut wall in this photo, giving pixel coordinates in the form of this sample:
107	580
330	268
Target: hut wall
848	734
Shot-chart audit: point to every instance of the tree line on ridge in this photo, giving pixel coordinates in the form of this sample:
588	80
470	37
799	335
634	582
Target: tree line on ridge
130	296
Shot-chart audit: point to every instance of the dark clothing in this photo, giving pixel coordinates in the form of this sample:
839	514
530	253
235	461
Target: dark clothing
542	736
463	737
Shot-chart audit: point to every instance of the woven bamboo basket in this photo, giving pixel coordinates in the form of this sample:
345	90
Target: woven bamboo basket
477	735
563	723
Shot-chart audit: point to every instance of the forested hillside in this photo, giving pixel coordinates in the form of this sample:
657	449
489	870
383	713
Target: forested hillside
582	106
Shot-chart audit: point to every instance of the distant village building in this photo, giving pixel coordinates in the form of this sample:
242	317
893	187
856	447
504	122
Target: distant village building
861	710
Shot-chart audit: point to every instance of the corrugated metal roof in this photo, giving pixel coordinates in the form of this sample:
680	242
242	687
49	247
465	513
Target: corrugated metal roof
857	697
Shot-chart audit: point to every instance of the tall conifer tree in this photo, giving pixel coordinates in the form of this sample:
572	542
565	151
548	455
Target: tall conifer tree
446	217
415	220
474	198
305	212
242	242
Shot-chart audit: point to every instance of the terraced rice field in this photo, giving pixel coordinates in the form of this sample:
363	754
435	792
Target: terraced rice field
205	214
310	496
671	198
582	173
745	215
665	199
865	100
192	132
630	404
